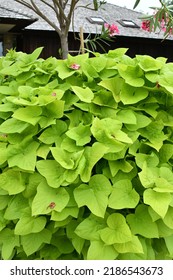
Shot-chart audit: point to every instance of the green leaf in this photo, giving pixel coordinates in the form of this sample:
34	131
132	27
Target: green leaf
164	182
104	98
148	175
169	244
28	224
54	110
89	228
43	151
78	242
121	164
52	172
53	133
132	95
28	114
32	183
65	159
132	75
148	254
23	102
151	160
65	213
63	71
123	195
49	252
81	134
164	230
158	201
15	207
168	219
108	131
28	58
114	85
84	94
136	4
117	53
90	157
99	251
4	199
148	63
13	126
48	199
117	231
142	121
94	195
25	92
3	221
132	246
154	134
165	79
62	243
23	155
166	152
141	223
98	64
89	71
152	77
9	241
11	181
7	107
78	117
6	90
32	242
127	116
3	150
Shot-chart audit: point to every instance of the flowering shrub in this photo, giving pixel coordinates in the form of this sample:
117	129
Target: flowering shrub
161	20
107	32
146	25
112	29
86	157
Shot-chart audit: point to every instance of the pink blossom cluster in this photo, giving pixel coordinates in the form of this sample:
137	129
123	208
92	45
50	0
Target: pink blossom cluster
146	25
112	29
75	66
162	24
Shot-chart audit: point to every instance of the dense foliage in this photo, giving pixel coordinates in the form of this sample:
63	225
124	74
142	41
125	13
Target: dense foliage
86	156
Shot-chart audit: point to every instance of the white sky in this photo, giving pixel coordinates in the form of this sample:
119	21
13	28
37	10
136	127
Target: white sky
143	6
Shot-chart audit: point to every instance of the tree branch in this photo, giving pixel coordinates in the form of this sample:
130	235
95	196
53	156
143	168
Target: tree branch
71	12
61	8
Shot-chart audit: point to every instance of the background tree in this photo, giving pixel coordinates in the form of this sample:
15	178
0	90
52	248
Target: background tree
63	11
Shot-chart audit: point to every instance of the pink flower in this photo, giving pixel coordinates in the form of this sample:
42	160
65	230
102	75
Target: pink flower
146	25
112	29
163	25
75	66
106	25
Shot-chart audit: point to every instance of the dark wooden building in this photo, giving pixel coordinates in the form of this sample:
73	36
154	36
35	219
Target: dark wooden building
23	29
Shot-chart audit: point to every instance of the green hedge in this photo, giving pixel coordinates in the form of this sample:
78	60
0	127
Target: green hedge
86	155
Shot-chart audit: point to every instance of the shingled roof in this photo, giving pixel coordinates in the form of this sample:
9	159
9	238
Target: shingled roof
110	13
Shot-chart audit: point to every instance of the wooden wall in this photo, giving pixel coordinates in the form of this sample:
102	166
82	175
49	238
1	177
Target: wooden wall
30	40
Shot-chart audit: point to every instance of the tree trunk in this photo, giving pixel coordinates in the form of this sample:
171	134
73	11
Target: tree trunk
64	45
